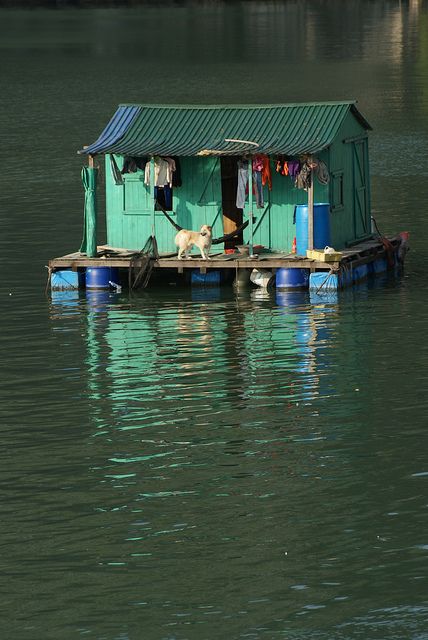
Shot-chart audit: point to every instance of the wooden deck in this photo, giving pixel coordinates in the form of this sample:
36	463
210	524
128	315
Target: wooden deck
116	257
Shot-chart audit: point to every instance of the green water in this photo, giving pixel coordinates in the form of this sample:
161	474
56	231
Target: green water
194	464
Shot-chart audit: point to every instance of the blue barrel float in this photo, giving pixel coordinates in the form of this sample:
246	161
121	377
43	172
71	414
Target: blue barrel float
210	279
100	277
321	227
293	278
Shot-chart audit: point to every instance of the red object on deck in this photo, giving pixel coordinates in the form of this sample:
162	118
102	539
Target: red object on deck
294	247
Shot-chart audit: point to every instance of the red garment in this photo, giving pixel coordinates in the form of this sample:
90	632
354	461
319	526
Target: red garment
266	174
258	163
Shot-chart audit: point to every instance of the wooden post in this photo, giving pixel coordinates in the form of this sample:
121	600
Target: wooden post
91	162
250	204
152	191
311	214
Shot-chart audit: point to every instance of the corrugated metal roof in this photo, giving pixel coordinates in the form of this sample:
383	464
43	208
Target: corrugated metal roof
189	130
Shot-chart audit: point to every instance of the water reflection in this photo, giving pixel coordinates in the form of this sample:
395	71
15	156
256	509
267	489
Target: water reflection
240	358
220	426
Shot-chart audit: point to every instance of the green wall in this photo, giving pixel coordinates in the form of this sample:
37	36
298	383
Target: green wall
349	190
197	202
274	226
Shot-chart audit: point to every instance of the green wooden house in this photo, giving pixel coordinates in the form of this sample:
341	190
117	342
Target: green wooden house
207	142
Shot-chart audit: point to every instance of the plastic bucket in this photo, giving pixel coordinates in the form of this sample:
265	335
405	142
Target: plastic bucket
292	278
100	277
321	227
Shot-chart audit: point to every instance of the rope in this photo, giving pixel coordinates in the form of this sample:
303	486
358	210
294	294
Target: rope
49	279
387	245
327	278
174	224
227	236
231	235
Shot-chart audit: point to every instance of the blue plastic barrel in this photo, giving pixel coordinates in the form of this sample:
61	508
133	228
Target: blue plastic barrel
64	279
100	277
292	278
321	227
211	278
359	273
377	266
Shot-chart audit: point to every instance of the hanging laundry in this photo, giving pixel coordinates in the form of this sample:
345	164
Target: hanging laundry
321	172
163	197
171	170
258	189
303	178
282	166
242	183
266	174
133	163
176	176
258	163
163	172
293	168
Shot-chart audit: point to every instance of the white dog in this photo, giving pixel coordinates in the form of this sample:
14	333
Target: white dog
201	239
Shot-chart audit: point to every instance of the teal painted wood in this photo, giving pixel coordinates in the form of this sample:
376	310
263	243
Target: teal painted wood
129	207
361	224
273	225
349	185
198	201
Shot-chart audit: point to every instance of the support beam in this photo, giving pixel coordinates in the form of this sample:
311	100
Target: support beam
152	192
250	204
311	214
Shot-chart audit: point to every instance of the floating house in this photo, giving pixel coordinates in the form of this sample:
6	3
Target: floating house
280	180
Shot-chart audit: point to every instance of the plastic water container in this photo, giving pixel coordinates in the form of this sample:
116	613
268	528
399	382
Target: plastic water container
100	277
321	227
324	281
66	279
292	278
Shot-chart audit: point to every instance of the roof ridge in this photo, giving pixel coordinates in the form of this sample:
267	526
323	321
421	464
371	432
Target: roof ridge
236	106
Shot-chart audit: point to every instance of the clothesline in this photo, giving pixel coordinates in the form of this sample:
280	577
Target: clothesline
300	170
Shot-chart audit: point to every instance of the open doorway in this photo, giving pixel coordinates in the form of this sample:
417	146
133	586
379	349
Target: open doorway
232	215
